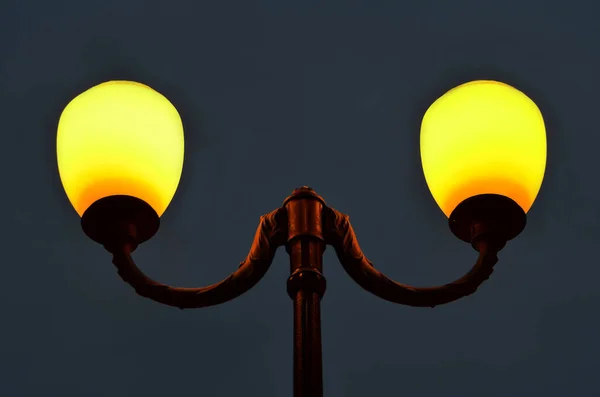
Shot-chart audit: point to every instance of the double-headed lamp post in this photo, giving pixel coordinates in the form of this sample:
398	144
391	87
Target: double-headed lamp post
120	149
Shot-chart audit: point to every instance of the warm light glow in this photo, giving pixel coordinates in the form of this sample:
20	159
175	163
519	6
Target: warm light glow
120	138
483	137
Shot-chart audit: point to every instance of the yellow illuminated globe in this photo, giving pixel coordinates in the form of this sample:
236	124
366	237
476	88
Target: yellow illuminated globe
120	138
483	137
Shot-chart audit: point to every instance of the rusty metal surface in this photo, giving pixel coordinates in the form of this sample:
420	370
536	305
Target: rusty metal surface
304	225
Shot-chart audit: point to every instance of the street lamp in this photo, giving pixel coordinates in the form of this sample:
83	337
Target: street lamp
120	152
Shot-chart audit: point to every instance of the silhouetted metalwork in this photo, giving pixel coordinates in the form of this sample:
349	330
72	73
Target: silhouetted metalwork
304	225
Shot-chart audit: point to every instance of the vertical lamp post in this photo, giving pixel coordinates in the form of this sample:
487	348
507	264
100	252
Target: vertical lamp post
120	153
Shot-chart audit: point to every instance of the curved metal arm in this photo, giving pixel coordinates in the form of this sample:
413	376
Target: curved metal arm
271	233
340	235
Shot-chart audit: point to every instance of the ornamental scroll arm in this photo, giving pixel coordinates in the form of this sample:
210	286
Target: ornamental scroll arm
270	234
340	234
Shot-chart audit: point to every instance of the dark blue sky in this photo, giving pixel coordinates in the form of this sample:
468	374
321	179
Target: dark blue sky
275	95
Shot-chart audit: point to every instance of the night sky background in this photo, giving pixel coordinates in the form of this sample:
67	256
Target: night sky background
276	94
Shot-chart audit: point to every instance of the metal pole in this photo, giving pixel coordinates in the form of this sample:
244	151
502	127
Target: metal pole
306	287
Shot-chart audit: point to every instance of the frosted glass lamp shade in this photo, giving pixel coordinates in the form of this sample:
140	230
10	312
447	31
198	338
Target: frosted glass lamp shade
120	138
483	137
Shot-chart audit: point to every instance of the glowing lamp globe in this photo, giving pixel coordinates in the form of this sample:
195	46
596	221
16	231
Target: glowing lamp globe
120	138
483	138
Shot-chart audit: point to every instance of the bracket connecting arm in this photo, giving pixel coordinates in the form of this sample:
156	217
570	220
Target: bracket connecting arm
340	234
270	234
